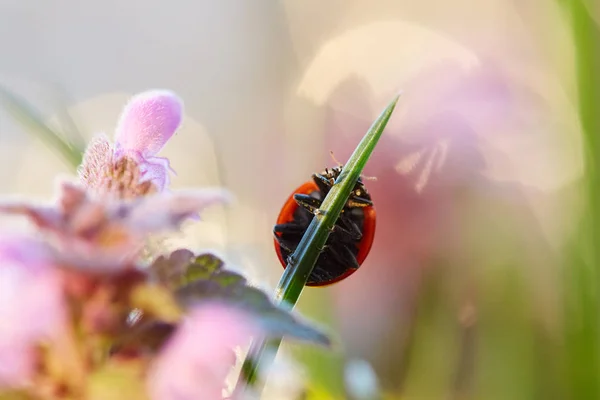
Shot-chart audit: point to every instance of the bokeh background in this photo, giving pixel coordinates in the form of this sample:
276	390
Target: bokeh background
481	282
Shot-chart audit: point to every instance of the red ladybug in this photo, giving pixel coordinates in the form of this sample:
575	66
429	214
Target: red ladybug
349	242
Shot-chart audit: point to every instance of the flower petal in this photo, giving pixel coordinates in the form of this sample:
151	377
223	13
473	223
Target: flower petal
29	288
197	359
166	211
156	170
16	365
31	305
148	122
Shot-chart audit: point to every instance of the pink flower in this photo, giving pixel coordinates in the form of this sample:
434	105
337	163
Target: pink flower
131	168
31	306
197	359
435	195
108	234
147	123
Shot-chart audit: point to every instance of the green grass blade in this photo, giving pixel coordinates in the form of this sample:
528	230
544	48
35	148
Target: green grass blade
24	113
302	261
304	258
582	275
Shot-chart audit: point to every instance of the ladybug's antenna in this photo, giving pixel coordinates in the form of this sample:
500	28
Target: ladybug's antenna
368	178
340	165
335	159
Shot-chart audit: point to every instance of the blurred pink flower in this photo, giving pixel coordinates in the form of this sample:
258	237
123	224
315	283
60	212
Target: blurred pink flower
105	235
433	196
131	168
425	158
197	359
31	306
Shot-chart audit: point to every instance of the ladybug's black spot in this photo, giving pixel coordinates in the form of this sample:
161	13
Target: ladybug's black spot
341	248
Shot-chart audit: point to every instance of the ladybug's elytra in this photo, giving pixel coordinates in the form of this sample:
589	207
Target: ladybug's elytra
350	241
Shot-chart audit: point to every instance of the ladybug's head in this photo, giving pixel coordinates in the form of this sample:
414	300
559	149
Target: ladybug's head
359	192
332	173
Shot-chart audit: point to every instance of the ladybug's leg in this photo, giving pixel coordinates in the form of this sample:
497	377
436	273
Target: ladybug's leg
323	183
343	255
354	201
288	235
309	203
288	228
349	228
351	258
289	245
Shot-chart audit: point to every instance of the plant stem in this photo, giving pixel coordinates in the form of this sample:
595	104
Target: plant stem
302	261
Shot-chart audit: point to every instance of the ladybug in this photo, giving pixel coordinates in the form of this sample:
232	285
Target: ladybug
349	242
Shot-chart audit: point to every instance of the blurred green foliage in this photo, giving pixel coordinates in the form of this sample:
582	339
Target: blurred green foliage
582	275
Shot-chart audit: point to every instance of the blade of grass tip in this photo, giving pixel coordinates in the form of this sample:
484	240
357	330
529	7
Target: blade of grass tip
68	124
302	261
24	113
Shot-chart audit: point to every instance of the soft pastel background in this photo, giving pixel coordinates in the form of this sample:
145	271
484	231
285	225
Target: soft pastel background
479	174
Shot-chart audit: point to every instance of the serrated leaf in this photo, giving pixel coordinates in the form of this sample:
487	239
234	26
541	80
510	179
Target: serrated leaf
206	280
203	267
206	264
168	270
226	278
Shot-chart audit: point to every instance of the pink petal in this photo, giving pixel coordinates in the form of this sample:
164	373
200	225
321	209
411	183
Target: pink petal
156	170
196	361
167	211
31	304
16	365
148	122
70	196
30	289
44	217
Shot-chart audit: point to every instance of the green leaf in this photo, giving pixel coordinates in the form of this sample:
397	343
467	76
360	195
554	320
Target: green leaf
203	267
203	278
170	270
